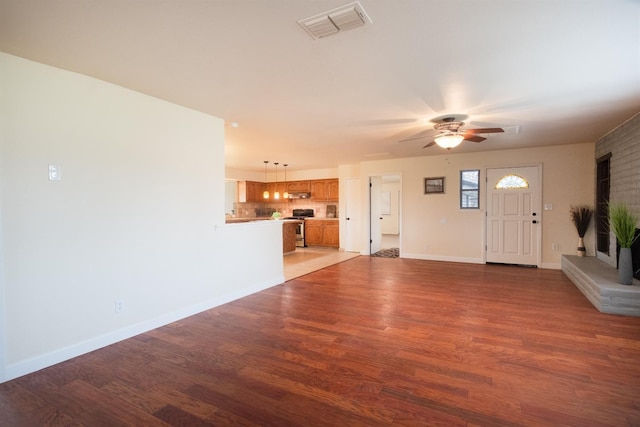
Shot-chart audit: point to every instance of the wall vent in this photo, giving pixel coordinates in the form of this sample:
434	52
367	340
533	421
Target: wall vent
343	18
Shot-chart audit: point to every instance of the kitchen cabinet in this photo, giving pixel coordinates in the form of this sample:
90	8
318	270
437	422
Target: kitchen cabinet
250	191
333	189
289	236
325	189
298	186
272	187
313	232
319	189
320	232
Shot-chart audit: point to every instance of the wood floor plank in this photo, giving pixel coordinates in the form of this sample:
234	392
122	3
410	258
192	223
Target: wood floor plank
367	342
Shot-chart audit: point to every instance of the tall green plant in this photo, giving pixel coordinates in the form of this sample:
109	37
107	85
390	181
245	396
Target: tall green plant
623	224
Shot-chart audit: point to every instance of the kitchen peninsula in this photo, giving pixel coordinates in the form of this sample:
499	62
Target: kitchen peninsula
288	230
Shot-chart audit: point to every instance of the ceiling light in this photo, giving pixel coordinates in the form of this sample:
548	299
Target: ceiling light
449	140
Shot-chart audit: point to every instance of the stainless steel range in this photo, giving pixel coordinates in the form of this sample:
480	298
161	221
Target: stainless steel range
301	214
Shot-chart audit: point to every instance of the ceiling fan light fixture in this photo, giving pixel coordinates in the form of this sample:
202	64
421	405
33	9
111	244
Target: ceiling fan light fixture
449	140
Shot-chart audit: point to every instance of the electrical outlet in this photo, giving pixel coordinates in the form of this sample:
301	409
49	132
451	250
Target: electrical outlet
119	306
426	247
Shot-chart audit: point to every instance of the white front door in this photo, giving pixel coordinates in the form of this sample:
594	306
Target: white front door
375	229
513	215
353	221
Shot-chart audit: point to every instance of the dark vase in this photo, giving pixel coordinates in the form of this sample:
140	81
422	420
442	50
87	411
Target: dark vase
625	267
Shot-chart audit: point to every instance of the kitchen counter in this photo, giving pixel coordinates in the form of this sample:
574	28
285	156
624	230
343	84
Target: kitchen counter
288	229
289	235
235	220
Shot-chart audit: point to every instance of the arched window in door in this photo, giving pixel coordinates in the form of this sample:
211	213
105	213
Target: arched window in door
511	181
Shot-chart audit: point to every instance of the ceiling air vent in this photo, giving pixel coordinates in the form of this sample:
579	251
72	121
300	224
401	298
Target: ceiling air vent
333	21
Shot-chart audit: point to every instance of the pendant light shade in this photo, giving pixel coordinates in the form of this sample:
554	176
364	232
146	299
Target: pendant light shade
265	194
285	195
276	193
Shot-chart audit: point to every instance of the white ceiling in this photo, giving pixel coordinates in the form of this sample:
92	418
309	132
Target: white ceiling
561	71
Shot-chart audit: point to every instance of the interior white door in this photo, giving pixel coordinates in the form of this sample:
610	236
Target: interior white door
375	204
353	223
513	215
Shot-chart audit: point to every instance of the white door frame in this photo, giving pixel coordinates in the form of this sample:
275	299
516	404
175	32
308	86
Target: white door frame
367	226
537	208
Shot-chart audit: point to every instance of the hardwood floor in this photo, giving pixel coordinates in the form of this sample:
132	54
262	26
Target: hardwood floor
369	341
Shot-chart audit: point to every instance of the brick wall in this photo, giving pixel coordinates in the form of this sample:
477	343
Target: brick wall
624	145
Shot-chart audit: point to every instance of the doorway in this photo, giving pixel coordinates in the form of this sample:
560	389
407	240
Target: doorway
513	216
385	215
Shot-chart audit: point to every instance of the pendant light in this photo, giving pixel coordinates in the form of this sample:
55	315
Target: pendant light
285	195
265	194
276	193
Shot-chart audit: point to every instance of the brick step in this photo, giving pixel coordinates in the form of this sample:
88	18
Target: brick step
598	281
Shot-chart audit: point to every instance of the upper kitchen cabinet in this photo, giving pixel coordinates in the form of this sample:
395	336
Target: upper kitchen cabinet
272	188
250	191
298	186
325	189
333	189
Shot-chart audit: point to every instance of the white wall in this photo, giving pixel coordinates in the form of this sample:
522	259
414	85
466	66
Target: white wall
133	218
391	221
434	226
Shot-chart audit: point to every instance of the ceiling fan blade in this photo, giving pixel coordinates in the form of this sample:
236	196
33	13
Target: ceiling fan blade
484	130
432	143
473	138
420	135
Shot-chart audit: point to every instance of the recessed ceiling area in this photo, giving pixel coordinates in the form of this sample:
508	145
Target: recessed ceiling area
556	72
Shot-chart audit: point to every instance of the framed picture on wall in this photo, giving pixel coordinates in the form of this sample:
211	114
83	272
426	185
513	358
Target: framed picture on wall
434	185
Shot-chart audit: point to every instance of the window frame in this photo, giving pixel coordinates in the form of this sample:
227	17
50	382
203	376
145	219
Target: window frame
464	191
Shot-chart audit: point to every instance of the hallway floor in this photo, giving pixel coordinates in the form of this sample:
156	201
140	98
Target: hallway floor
306	260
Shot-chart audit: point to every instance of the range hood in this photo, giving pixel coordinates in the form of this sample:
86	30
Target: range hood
300	195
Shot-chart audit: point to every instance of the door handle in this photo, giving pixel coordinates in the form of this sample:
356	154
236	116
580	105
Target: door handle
380	217
348	218
534	221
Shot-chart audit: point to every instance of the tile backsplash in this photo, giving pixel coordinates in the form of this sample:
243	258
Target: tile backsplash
256	210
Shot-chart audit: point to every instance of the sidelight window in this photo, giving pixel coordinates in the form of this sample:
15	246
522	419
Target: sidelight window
470	189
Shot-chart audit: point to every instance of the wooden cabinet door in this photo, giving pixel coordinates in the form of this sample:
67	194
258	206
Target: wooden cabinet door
298	186
331	234
333	189
254	191
319	189
313	233
272	187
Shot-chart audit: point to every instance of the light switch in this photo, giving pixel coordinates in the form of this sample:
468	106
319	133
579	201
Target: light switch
54	173
548	207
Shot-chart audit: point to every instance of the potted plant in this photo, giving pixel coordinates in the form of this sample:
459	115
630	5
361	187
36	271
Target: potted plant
581	217
623	225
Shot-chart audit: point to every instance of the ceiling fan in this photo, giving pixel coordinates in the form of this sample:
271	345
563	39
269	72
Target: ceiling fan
451	135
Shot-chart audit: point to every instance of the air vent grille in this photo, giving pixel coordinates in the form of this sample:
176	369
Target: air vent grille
343	18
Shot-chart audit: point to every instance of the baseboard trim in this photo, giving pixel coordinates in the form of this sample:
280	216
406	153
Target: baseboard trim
442	258
37	363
